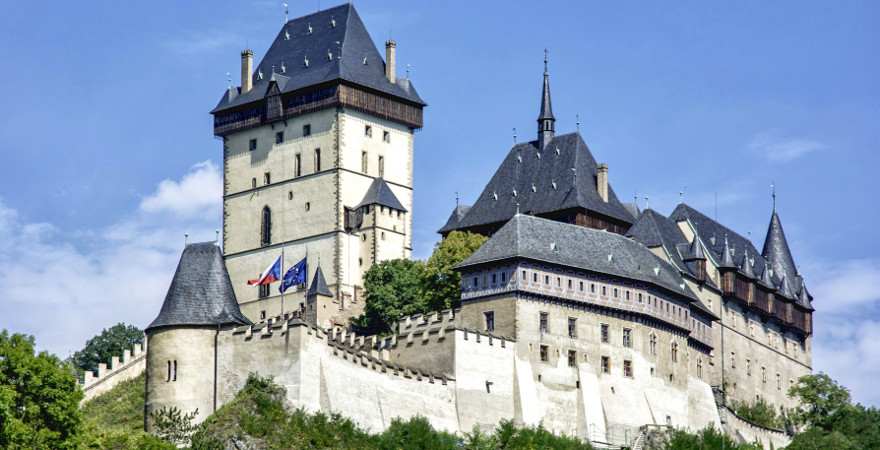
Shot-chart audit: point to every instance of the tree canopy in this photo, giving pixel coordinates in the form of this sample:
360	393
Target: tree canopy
402	287
111	342
39	397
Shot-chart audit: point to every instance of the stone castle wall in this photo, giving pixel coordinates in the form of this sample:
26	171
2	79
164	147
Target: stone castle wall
129	365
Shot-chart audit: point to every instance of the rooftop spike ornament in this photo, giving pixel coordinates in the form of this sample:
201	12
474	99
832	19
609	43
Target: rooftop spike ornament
546	120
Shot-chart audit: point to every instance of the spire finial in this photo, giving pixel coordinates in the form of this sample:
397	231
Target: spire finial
577	122
216	235
773	194
647	205
185	239
229	80
514	135
285	11
546	60
456	199
517	208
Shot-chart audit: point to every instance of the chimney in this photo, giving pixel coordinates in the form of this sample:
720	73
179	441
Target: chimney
247	61
390	63
602	181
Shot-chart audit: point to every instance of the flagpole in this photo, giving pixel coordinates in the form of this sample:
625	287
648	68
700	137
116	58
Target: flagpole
282	282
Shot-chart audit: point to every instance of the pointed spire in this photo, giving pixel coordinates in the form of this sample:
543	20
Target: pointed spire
695	251
804	296
726	256
766	277
776	249
746	266
319	285
785	288
546	120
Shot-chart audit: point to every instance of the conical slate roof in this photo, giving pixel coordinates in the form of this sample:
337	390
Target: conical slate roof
726	256
380	193
767	277
746	267
804	296
546	112
785	288
695	251
776	250
319	285
200	293
336	45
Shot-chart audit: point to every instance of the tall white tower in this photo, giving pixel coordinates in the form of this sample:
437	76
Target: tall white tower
318	161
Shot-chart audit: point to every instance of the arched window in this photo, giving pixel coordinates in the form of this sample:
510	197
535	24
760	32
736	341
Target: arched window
266	227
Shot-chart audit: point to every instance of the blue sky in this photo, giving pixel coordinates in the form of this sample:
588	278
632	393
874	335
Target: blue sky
108	156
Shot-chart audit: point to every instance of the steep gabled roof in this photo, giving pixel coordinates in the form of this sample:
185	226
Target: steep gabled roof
380	193
454	218
653	229
337	46
319	285
776	249
578	247
200	293
542	181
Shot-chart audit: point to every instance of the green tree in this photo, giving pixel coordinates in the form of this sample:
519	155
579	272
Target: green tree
173	425
394	289
111	342
39	397
707	439
760	412
442	282
821	401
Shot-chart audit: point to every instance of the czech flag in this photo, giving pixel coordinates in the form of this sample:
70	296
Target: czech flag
270	275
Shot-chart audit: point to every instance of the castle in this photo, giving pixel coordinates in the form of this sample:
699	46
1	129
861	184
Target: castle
580	312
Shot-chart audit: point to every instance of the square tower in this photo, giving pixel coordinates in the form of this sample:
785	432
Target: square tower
317	162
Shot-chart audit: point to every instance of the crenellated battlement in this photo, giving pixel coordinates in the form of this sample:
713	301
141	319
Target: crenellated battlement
276	326
120	368
422	321
365	359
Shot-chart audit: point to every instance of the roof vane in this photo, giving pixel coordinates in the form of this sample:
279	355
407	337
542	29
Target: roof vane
546	60
681	194
185	239
216	235
285	11
646	202
456	199
517	208
577	122
229	80
773	194
514	135
408	68
636	199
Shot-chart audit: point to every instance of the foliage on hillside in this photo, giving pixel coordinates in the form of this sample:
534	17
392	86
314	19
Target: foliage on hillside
707	439
119	409
39	399
402	287
830	419
111	342
760	412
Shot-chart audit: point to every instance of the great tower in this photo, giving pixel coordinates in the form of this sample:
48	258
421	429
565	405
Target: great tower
317	161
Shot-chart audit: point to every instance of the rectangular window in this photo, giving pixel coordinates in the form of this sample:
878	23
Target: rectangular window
386	136
544	326
572	327
604	332
368	131
503	274
381	166
627	337
364	162
264	290
606	364
546	279
581	286
252	145
592	288
267	178
572	358
297	165
627	368
494	278
279	137
545	353
307	129
490	320
317	160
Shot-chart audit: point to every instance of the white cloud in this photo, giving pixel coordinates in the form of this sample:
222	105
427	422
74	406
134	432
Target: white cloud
63	286
847	324
781	150
199	190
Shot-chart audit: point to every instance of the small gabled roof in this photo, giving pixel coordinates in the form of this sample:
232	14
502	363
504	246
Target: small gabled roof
578	247
785	289
559	177
766	277
319	285
804	297
200	293
454	218
726	261
380	193
695	250
338	48
746	267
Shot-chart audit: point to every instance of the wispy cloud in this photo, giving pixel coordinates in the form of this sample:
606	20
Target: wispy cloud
777	149
846	328
65	285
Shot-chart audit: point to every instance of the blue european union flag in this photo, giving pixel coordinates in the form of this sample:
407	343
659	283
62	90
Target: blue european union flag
294	276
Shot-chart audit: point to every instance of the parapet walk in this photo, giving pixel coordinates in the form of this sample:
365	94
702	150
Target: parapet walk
129	365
